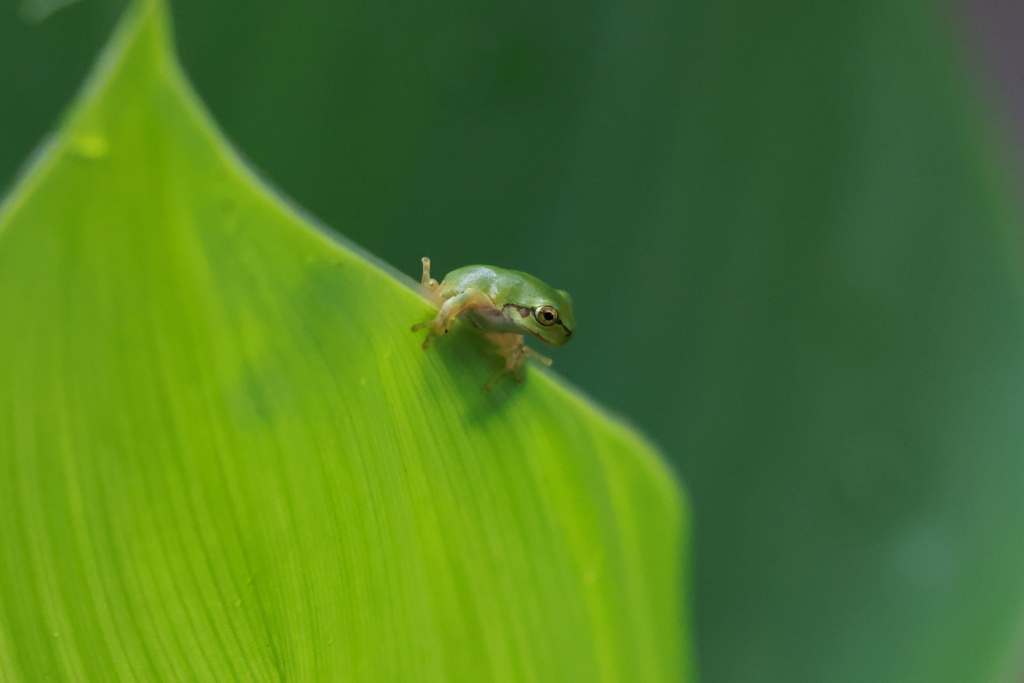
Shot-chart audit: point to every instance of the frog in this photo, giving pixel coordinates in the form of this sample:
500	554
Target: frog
505	305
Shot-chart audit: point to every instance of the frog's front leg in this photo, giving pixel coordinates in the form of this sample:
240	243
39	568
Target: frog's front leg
515	352
530	353
510	346
471	298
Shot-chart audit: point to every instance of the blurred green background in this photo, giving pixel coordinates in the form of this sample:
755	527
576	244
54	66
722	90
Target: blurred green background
791	239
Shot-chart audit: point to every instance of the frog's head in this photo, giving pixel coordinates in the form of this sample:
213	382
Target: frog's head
551	321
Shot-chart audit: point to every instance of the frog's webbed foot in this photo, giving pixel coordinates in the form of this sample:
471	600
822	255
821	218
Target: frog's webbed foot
430	333
439	325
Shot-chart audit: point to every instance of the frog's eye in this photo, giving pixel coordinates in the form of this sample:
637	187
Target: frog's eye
546	315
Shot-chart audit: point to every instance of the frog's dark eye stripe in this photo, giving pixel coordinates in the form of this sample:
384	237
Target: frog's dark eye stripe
546	315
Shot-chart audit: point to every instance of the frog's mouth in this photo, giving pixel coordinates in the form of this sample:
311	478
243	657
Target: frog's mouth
568	335
568	332
537	336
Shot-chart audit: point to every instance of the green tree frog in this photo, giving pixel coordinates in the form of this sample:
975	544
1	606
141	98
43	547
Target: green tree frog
504	305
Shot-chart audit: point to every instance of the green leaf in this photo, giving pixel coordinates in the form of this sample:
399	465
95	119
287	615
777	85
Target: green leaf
223	455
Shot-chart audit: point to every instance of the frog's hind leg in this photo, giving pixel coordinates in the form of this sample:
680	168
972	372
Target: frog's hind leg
427	281
526	352
512	349
515	353
434	293
432	290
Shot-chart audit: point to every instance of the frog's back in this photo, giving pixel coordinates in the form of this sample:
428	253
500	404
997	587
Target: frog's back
500	284
484	278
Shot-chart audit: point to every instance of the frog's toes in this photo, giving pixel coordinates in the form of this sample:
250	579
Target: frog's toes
530	353
432	331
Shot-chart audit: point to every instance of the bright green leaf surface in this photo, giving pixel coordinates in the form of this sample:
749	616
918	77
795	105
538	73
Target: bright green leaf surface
223	455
